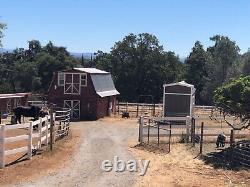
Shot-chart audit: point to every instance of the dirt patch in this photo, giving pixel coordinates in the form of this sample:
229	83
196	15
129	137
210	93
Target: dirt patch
181	168
46	162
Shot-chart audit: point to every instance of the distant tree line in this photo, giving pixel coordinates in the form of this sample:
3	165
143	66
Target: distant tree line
138	63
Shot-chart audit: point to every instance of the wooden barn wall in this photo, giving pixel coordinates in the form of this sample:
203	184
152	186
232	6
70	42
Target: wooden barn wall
92	106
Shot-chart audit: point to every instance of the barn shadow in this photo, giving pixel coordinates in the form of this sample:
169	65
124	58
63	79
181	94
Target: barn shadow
231	158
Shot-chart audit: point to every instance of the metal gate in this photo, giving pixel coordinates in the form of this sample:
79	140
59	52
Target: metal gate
74	105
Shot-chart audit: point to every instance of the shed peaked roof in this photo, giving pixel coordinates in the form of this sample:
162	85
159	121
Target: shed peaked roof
91	70
182	83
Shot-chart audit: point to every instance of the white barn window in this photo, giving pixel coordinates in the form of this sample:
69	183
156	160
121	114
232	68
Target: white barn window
60	79
83	79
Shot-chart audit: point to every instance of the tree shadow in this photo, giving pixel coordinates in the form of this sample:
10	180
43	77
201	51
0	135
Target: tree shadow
235	158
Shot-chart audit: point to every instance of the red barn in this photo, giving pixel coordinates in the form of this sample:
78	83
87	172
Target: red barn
89	92
10	101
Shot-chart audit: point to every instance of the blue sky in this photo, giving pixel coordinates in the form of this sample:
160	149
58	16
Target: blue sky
91	25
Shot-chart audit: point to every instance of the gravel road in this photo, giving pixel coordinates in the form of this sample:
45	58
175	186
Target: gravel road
100	140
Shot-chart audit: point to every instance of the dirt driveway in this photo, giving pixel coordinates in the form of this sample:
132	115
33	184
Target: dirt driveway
99	141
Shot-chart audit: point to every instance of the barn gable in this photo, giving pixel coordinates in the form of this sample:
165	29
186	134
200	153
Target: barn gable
102	81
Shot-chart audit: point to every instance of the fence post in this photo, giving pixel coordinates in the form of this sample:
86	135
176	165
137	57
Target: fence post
141	124
201	143
232	138
118	103
51	128
170	134
40	133
137	109
47	130
158	134
154	110
54	125
148	130
193	131
2	153
30	145
188	128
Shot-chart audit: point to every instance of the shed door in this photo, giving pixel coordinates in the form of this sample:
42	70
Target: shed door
74	105
72	83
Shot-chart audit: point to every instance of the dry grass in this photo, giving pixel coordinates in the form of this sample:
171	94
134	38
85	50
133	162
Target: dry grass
180	168
46	162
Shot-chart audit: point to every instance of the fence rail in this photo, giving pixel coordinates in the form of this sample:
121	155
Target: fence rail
61	121
152	109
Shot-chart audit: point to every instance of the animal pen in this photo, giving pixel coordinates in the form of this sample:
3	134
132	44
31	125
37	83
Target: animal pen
33	135
154	133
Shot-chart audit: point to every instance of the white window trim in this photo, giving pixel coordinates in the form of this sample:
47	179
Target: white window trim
58	80
86	80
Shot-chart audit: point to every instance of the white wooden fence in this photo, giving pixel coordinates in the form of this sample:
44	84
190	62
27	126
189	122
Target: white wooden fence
42	133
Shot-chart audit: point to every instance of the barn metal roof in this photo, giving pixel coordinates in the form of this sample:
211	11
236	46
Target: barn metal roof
91	70
104	85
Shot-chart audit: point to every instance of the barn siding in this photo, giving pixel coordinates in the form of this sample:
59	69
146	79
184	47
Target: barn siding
92	106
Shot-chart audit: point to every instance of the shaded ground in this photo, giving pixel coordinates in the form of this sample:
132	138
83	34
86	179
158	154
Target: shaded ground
181	168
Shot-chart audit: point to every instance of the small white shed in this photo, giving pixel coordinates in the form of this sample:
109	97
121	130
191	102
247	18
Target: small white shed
178	99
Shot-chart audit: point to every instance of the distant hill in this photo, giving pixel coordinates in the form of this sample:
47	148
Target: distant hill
85	55
76	55
2	50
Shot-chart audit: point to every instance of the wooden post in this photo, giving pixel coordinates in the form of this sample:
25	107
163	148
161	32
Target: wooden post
127	107
158	126
148	131
118	107
141	124
2	151
170	134
232	138
0	117
188	129
154	110
54	128
193	123
137	109
51	128
30	145
47	130
40	134
201	143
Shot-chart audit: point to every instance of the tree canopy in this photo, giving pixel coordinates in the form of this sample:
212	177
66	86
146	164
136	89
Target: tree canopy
233	98
138	63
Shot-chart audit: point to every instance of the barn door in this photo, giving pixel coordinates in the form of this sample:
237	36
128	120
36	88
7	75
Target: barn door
74	105
72	83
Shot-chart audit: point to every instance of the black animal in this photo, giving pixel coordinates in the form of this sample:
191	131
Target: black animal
32	111
197	138
125	115
221	140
